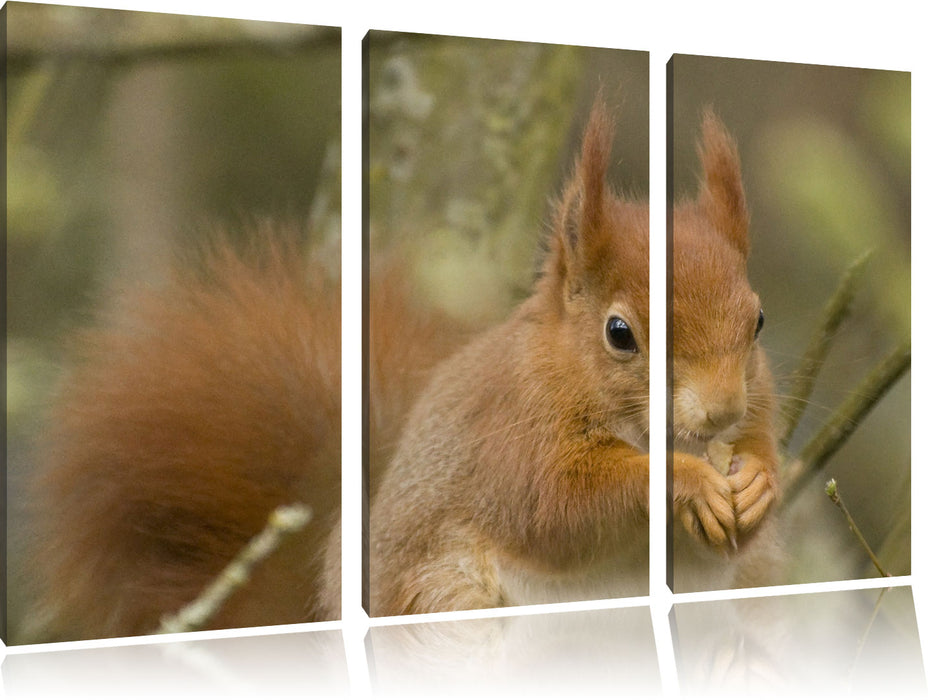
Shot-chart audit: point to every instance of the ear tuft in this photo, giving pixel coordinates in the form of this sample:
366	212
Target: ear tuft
721	193
580	214
593	165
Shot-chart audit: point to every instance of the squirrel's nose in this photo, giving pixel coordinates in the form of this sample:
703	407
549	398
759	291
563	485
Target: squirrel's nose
725	414
710	407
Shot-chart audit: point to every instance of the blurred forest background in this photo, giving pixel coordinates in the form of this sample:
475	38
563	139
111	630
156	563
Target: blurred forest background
469	142
825	155
129	134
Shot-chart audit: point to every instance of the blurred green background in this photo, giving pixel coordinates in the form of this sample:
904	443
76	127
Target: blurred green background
129	135
825	154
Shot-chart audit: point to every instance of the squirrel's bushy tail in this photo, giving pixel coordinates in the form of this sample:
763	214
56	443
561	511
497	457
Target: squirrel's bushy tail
190	413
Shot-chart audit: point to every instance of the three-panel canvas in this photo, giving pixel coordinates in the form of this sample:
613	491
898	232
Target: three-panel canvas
174	344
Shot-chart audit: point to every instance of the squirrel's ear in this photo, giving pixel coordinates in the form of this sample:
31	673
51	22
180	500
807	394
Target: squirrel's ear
722	194
579	218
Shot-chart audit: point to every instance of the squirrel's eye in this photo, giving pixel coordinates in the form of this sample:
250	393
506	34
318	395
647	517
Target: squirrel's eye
760	323
619	335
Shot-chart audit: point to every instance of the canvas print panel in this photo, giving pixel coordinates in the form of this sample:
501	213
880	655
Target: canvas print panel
173	356
508	323
790	222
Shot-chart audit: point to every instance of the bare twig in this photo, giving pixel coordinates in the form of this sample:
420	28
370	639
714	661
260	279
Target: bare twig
835	312
169	50
847	418
833	494
282	521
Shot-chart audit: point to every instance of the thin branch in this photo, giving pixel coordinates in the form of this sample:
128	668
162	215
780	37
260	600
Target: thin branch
835	312
852	411
26	58
847	418
833	494
282	521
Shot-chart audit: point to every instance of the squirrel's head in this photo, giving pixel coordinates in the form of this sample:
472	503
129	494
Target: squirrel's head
715	316
596	283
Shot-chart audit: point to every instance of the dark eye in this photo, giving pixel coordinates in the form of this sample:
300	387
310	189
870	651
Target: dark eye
760	323
619	335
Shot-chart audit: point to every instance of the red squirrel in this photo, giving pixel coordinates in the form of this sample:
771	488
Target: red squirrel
522	473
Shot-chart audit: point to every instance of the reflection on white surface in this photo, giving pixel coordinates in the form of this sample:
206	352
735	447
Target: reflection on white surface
842	643
595	653
301	664
862	642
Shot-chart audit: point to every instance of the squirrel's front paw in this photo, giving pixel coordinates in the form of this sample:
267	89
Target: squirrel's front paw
755	489
703	501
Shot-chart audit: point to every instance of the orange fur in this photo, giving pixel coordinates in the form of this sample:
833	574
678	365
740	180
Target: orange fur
522	473
190	413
